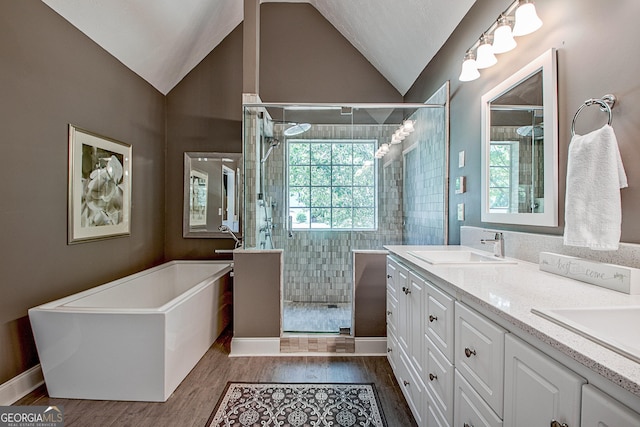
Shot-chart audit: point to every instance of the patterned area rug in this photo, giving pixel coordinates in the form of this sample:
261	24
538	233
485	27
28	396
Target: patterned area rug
297	405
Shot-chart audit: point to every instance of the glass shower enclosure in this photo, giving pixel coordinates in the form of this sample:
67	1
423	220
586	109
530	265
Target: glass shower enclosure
321	181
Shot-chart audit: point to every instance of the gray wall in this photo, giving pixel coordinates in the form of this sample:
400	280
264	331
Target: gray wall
597	54
369	281
53	75
204	114
303	58
256	294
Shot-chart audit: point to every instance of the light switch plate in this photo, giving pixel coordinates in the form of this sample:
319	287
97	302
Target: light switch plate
460	185
460	211
461	159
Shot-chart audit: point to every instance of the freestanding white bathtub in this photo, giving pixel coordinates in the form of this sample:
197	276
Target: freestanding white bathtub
135	338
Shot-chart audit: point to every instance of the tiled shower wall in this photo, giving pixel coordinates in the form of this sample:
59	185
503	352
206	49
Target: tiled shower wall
424	204
251	137
318	264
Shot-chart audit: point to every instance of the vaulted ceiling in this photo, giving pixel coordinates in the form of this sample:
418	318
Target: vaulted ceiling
162	40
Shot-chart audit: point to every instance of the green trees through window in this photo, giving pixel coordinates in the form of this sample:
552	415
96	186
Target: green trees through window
332	184
500	172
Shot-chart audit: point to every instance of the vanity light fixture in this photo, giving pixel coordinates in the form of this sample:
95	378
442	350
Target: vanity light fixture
407	125
485	58
527	20
503	40
403	131
469	68
522	14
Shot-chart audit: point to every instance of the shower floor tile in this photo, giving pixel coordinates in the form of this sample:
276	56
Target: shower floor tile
315	317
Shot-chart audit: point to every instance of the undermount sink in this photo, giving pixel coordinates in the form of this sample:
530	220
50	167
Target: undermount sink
613	327
459	257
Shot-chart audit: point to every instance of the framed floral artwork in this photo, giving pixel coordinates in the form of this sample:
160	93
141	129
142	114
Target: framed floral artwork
99	187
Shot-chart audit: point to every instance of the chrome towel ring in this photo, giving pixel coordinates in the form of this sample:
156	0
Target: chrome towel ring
606	103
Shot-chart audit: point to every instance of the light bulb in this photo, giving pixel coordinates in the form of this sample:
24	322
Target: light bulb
486	58
527	20
502	37
469	68
395	139
408	125
384	148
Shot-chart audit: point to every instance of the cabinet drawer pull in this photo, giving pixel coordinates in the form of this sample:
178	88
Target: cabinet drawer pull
554	423
389	349
405	382
406	290
432	318
389	276
432	377
468	352
389	313
468	425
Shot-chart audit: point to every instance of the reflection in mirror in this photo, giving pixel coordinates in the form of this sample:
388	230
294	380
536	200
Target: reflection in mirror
211	197
519	155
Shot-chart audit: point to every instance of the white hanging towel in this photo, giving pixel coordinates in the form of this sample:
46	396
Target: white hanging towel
595	175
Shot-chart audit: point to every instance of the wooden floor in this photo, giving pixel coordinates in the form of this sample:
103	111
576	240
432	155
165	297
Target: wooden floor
195	398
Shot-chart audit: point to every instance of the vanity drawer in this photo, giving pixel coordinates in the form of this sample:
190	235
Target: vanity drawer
439	380
392	273
392	313
433	415
392	350
599	409
479	354
470	409
440	319
412	388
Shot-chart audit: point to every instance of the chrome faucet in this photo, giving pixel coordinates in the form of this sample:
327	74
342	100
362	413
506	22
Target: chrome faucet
226	229
498	244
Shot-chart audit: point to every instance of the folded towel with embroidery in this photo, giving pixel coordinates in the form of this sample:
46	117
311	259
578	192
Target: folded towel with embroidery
595	175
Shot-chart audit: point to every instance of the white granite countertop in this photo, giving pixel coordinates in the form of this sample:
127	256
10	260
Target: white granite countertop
512	290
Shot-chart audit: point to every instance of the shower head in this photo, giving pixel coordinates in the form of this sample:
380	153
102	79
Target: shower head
297	129
273	143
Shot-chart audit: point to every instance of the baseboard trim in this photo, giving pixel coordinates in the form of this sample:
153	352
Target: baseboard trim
21	385
255	347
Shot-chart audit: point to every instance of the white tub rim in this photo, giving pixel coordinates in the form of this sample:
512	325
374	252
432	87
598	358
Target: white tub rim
59	304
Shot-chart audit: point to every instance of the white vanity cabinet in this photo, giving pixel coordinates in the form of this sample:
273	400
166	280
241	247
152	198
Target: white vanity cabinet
393	313
538	390
460	362
440	319
601	410
479	354
439	381
405	332
415	297
420	325
470	409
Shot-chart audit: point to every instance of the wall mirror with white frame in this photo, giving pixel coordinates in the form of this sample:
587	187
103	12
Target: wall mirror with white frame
519	120
211	194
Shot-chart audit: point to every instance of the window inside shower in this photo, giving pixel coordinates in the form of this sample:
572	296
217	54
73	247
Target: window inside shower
332	184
